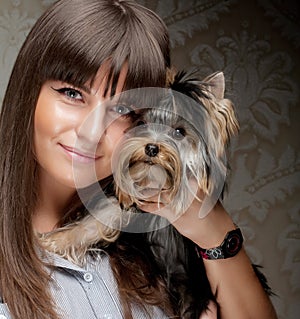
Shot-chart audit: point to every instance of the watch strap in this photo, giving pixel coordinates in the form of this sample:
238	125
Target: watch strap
231	245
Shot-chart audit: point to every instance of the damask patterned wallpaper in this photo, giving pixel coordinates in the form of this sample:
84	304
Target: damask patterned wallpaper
256	44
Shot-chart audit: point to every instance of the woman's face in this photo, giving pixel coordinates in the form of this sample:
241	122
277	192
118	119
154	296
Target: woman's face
76	131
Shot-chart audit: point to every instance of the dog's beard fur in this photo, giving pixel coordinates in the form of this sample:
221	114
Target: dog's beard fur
138	176
196	153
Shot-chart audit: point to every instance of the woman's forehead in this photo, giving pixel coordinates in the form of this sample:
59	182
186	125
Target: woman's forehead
103	80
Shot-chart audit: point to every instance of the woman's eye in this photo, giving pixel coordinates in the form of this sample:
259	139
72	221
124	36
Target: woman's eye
178	133
70	93
122	109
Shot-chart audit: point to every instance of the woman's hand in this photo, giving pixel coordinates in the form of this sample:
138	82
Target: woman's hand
206	232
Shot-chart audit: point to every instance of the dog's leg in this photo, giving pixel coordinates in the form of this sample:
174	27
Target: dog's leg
74	240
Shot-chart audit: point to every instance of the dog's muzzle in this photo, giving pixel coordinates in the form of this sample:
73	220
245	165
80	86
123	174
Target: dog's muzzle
144	167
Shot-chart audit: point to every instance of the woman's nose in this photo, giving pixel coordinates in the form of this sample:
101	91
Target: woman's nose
93	126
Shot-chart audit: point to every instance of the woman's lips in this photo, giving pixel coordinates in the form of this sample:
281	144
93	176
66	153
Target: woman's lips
79	155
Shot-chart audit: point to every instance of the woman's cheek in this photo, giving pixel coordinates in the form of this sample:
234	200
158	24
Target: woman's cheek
117	129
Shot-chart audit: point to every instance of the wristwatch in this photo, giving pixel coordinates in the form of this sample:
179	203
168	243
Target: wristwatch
231	245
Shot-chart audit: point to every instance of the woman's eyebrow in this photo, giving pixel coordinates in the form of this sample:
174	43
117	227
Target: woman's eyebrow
84	88
123	100
81	87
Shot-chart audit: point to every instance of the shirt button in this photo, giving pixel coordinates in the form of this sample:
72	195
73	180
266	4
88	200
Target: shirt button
88	277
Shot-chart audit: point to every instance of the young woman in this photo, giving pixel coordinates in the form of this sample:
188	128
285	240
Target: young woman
79	54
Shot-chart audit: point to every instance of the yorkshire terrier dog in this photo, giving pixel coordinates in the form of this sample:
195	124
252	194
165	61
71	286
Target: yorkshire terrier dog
181	138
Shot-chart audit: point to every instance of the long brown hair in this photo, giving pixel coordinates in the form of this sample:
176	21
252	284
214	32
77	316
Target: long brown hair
69	42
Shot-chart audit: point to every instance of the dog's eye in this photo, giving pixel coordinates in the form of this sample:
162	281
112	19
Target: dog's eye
140	123
178	133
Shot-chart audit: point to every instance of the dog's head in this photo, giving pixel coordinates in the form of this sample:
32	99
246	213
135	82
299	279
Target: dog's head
183	137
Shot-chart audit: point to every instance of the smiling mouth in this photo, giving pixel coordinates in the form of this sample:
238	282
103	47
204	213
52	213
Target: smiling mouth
80	156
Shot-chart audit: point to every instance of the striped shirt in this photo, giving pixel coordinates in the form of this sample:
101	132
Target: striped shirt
88	293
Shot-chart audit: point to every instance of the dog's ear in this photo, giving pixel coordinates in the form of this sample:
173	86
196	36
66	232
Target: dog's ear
216	84
220	109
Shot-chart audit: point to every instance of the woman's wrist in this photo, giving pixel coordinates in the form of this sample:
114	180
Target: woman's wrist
212	229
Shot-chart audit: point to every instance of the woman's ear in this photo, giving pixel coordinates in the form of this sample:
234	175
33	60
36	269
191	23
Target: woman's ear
216	84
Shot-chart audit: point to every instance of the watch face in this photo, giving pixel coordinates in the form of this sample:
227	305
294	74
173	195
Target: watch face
233	243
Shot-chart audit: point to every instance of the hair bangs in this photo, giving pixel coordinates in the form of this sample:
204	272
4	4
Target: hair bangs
147	62
76	60
74	47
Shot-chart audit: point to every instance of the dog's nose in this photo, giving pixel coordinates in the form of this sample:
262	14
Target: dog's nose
151	150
